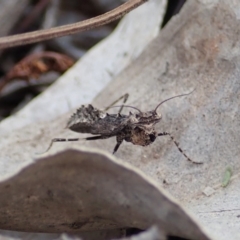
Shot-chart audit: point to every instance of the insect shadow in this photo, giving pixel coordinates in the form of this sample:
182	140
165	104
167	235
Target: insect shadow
137	128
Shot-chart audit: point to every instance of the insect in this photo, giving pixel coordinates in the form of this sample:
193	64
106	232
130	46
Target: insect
137	128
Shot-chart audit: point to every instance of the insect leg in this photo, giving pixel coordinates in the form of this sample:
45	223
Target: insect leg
120	139
177	145
74	140
97	137
61	140
124	97
117	146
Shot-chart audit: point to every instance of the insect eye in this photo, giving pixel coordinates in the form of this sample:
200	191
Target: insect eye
152	137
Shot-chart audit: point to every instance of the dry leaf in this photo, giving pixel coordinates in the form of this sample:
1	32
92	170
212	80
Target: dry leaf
36	64
82	191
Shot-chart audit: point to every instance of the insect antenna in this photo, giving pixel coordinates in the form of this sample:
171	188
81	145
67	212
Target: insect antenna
171	98
128	107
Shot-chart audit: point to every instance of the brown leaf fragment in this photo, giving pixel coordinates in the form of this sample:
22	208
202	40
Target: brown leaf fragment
35	65
75	191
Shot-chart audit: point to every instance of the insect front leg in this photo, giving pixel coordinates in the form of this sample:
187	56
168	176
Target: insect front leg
124	97
177	145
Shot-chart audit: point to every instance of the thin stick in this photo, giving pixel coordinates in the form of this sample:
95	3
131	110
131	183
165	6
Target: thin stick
41	35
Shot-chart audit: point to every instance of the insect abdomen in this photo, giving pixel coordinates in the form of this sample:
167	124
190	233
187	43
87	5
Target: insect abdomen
83	119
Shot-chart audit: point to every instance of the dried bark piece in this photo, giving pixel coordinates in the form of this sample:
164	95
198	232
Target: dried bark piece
36	64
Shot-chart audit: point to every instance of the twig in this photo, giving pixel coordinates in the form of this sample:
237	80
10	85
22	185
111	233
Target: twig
41	35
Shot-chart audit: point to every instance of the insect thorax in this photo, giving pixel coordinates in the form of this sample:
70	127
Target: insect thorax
140	136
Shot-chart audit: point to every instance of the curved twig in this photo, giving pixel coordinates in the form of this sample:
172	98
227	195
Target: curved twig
41	35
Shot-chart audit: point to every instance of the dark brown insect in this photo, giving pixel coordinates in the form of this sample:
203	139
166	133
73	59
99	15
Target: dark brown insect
137	128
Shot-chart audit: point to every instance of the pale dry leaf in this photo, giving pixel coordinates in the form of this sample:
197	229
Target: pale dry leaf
199	49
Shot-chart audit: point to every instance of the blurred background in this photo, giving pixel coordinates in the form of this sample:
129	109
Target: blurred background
27	70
